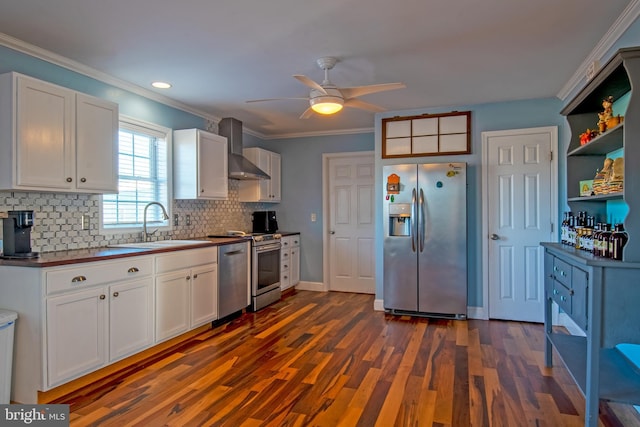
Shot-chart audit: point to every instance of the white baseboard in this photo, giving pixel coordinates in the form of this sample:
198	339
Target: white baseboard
477	313
378	305
312	286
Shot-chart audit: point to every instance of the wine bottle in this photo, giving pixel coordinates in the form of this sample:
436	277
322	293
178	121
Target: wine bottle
618	240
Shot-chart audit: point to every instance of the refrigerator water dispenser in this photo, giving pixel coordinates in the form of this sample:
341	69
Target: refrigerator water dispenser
400	219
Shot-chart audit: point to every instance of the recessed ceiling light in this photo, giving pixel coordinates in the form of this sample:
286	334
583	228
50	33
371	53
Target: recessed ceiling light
161	85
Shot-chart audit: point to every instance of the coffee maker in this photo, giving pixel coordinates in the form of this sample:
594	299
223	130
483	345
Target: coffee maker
264	222
16	235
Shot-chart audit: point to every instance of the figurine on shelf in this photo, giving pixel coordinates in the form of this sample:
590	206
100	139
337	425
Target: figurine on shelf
606	115
600	181
587	136
616	179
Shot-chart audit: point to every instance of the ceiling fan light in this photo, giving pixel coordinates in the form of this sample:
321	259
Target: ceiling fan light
326	104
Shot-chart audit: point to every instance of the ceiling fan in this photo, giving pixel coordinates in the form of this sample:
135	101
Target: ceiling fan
327	98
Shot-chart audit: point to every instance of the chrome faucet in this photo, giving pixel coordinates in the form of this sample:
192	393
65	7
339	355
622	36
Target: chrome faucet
165	215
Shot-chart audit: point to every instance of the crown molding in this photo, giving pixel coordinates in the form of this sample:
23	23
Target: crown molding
53	58
622	24
59	60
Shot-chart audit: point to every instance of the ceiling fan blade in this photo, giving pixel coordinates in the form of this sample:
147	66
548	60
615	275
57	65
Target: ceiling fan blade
354	92
356	103
310	83
273	99
307	113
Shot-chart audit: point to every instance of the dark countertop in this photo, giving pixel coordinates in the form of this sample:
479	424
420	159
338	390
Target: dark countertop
288	233
77	256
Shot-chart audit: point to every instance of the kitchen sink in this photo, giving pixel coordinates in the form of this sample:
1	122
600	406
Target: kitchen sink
159	244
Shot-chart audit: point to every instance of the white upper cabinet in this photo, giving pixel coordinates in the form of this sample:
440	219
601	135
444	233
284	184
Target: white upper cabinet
200	165
56	139
264	190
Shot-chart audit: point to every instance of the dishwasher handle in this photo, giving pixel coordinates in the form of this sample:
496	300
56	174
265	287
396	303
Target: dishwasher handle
230	253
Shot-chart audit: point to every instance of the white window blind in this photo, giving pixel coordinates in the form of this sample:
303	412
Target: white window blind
143	177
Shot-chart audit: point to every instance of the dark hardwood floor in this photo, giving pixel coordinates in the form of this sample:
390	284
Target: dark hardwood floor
328	359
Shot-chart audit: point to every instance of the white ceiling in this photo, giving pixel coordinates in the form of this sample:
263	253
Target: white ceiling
218	54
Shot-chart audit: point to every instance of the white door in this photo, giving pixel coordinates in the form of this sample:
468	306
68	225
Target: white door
351	223
520	211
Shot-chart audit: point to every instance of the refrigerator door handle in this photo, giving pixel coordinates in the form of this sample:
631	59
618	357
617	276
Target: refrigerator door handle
421	221
414	217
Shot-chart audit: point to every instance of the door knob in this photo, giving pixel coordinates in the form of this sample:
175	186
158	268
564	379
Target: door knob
333	232
494	236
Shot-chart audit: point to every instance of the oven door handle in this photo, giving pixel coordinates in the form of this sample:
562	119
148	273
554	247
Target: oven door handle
266	248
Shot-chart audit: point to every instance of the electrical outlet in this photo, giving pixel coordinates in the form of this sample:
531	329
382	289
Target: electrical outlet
314	217
188	220
175	220
86	221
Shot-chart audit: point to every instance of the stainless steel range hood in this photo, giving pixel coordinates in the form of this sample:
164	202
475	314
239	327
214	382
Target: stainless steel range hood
239	166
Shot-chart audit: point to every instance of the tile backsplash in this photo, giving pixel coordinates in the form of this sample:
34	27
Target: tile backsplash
58	218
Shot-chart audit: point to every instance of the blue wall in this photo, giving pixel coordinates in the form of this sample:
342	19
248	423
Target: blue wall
130	104
302	189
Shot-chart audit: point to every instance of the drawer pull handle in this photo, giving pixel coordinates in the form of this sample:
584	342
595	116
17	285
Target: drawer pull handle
83	179
555	268
555	292
133	270
563	274
78	279
571	292
69	179
286	266
195	276
188	277
563	298
103	296
115	294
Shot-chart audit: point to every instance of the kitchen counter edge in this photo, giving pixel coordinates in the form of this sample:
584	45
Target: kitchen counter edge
79	256
586	258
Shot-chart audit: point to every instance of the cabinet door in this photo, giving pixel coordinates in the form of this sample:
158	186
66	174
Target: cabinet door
285	264
204	294
96	144
44	136
172	304
130	317
294	269
212	166
274	173
76	334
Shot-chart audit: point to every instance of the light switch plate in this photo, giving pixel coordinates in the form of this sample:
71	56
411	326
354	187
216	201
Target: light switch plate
86	221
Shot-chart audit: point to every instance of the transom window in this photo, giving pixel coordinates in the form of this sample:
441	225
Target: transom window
143	177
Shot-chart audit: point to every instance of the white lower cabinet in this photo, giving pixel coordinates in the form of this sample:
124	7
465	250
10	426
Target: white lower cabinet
76	319
96	313
186	291
77	327
290	261
88	328
130	318
204	295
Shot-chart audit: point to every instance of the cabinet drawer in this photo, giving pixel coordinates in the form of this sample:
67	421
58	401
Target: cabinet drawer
295	240
285	242
97	273
562	296
562	272
186	259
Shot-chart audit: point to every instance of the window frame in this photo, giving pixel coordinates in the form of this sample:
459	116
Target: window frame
152	129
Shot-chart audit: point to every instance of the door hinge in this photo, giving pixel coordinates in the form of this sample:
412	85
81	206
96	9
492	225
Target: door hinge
552	227
550	156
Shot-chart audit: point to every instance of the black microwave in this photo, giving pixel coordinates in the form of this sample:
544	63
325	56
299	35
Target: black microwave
264	222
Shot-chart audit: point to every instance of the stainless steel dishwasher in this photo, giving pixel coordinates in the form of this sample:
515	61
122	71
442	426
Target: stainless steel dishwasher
233	278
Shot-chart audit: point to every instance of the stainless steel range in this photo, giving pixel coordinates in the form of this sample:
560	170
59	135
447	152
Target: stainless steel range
265	267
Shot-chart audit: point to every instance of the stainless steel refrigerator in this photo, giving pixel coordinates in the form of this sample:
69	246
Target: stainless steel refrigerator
425	239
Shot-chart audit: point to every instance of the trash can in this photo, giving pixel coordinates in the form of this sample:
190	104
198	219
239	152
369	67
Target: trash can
7	326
